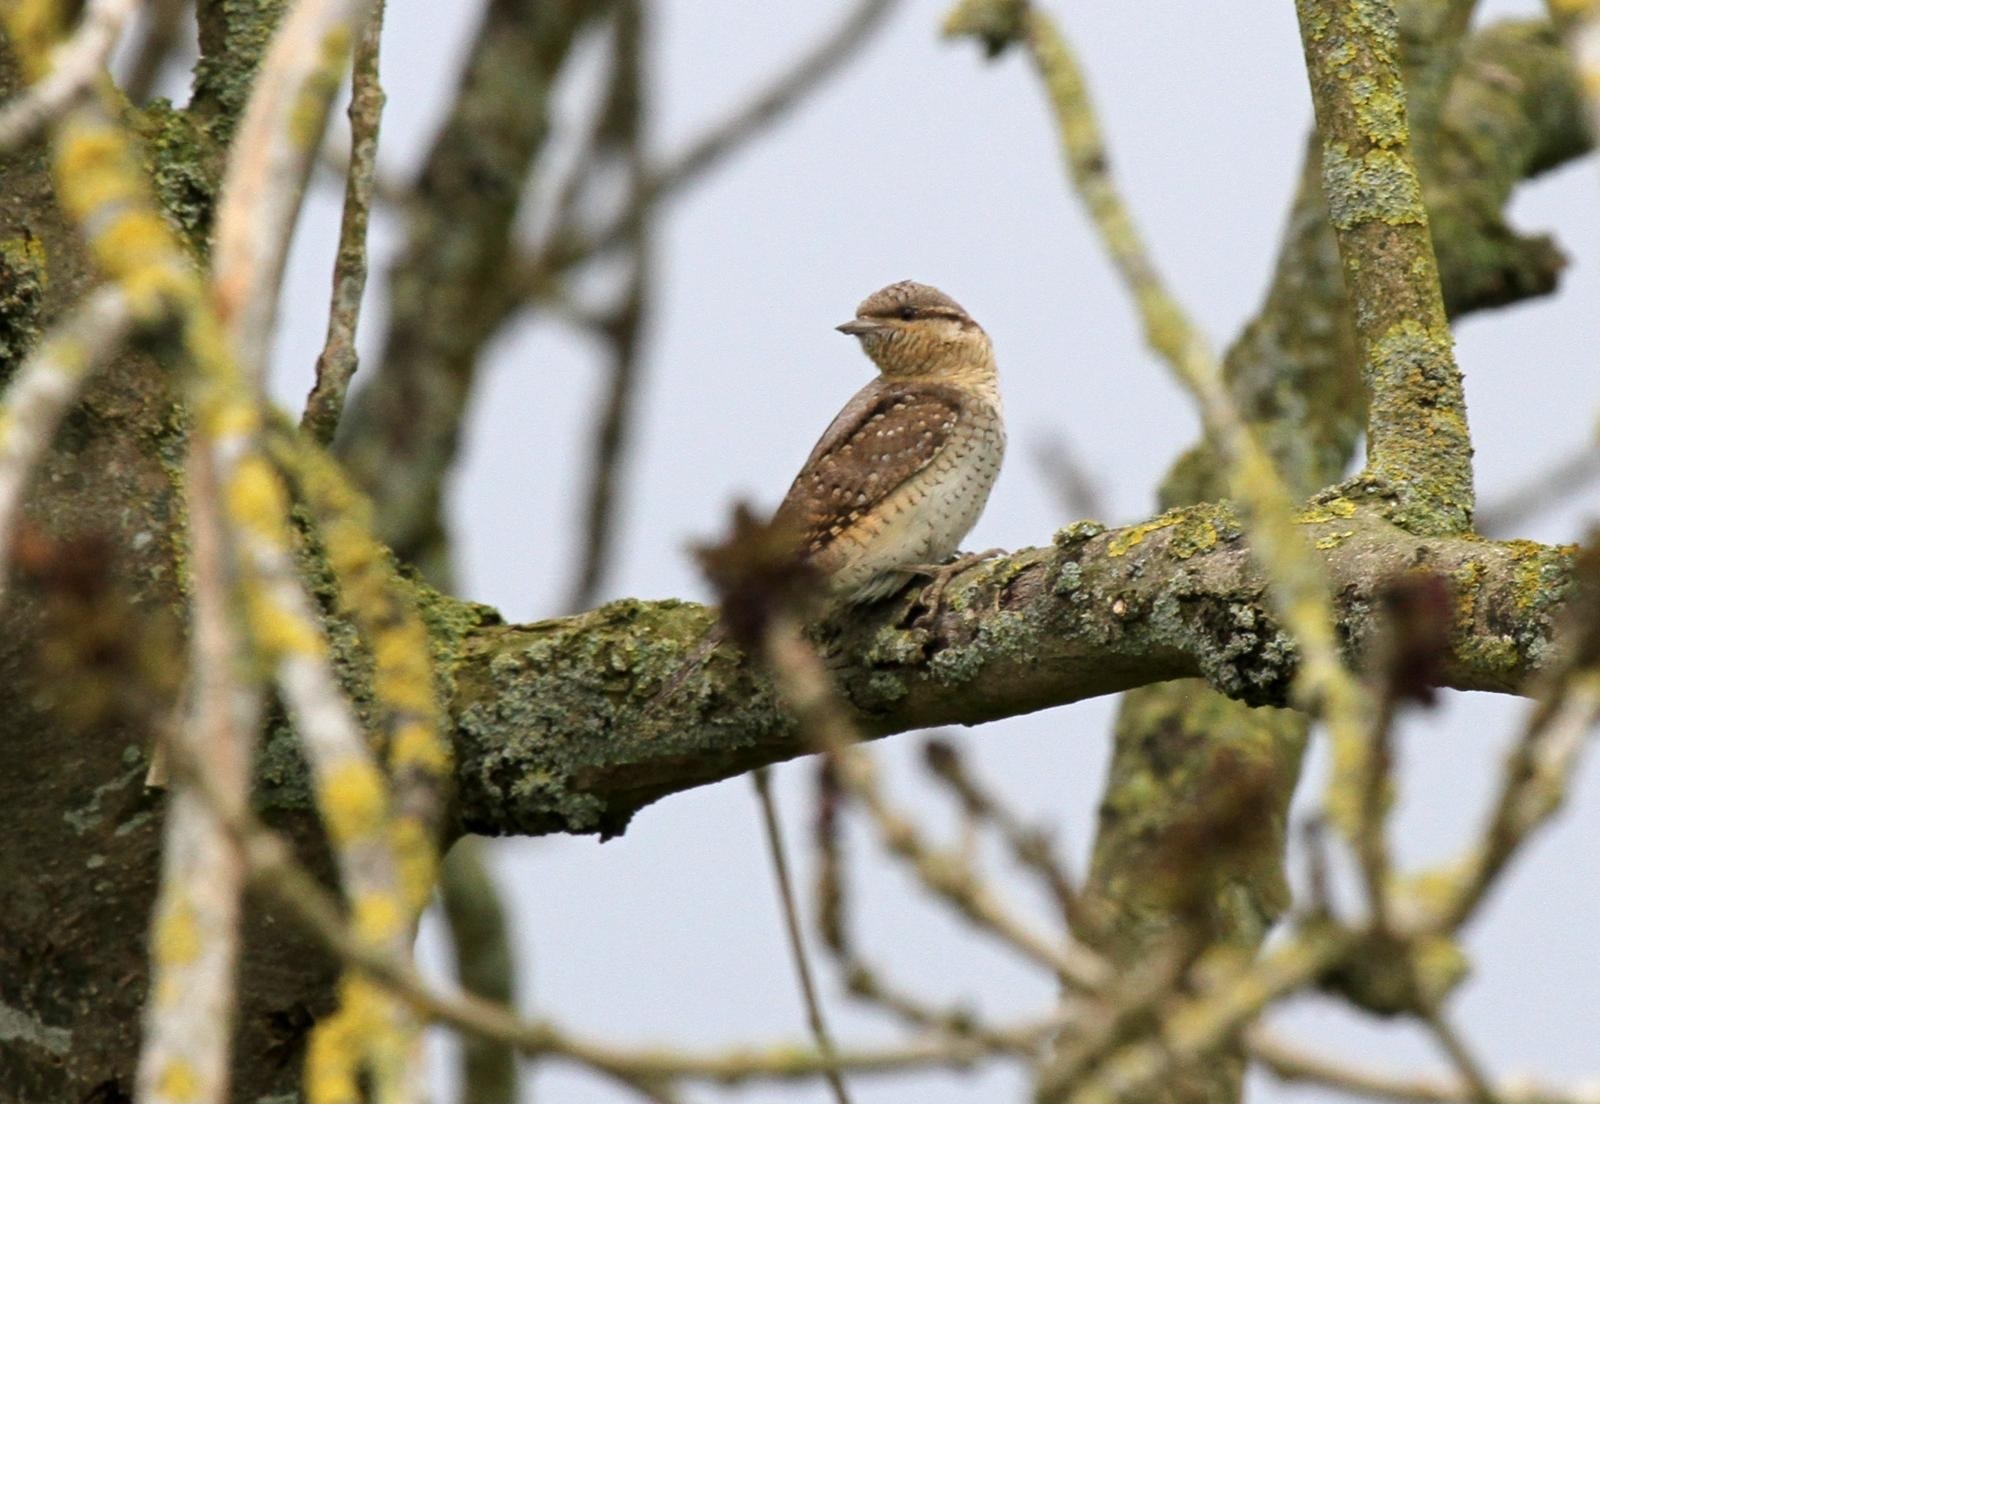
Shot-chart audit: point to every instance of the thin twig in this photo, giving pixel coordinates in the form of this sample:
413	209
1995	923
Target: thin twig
1213	1020
863	981
1550	486
690	164
656	1074
624	126
370	1043
72	68
337	364
1078	496
1461	1056
480	932
163	30
1030	846
780	864
1292	1063
185	1047
45	388
807	689
267	174
1558	724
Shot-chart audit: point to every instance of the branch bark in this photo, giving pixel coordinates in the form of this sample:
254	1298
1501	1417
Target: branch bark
554	734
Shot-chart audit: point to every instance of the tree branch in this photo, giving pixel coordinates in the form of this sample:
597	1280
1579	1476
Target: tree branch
554	733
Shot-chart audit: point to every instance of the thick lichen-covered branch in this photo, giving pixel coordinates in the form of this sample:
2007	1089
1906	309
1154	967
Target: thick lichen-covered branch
554	732
1418	434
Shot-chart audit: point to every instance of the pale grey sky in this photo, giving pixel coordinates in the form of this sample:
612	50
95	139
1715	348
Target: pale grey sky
671	933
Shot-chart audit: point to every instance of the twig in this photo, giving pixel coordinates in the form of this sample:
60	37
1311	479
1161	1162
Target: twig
1461	1056
71	69
370	1041
1292	1063
690	164
862	980
807	689
480	932
45	388
1540	493
268	172
185	1048
1078	496
379	603
781	867
1537	768
655	1073
162	30
1029	846
1212	1020
103	189
624	125
1375	862
337	363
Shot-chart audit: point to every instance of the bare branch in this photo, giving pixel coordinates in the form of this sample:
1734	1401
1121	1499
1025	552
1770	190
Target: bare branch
71	69
163	30
780	865
809	692
558	734
1292	1063
271	155
624	127
45	388
1551	486
337	364
692	163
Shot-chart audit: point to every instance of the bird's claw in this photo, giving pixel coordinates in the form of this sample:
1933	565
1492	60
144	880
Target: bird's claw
931	602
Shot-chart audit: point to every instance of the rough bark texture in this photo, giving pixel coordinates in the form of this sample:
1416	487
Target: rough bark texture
77	872
554	730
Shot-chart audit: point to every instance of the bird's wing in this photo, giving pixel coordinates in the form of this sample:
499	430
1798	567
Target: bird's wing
887	434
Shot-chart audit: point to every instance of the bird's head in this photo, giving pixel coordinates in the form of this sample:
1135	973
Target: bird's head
911	330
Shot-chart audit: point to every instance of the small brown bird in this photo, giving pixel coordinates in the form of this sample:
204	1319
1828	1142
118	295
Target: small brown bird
902	473
900	476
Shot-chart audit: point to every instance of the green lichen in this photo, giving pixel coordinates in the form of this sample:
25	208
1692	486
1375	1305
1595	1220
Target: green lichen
231	37
24	273
1076	534
184	166
1377	188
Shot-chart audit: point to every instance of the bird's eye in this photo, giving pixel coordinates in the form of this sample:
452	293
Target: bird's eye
908	312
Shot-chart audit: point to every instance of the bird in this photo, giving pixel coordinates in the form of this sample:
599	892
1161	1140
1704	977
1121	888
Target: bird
899	479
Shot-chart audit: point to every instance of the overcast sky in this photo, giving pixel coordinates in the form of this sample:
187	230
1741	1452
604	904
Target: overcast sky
924	162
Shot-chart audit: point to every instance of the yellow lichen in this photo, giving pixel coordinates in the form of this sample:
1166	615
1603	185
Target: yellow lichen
176	1082
351	796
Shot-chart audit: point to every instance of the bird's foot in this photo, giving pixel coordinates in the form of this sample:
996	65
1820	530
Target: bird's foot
931	602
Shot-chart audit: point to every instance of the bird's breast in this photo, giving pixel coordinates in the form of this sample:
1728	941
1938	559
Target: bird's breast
926	519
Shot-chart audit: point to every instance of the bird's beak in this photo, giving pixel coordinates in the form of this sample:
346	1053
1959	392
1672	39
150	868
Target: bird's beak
858	327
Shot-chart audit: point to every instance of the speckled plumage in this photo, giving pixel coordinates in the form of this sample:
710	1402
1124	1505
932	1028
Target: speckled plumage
901	475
